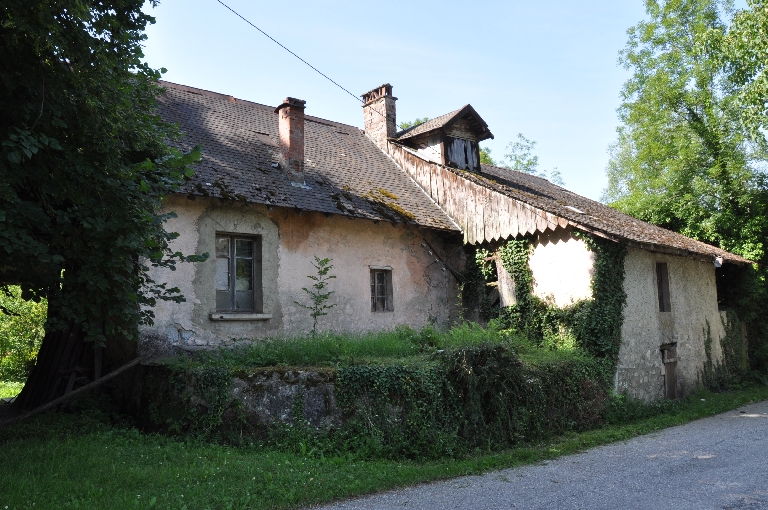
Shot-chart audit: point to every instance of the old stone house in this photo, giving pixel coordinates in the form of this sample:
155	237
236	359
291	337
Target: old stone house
394	210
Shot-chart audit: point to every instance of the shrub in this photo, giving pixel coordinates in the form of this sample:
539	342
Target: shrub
21	333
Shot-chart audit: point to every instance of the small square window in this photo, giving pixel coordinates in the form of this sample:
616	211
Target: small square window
238	273
662	282
381	289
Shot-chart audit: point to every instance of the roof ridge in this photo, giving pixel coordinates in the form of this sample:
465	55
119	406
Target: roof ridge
449	114
228	97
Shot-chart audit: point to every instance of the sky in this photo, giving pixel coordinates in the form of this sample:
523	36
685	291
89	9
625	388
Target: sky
546	69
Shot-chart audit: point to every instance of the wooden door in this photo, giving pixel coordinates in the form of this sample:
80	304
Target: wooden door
669	358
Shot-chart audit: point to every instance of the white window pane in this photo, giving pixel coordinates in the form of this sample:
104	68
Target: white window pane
222	273
222	247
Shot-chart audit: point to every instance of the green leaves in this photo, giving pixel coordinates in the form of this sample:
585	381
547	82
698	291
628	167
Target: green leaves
745	55
691	151
684	159
85	162
521	158
318	295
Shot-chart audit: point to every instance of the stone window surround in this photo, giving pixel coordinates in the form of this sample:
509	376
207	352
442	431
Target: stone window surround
256	306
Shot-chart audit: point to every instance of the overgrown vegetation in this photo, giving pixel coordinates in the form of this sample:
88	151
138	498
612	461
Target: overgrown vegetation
86	460
21	333
592	324
403	394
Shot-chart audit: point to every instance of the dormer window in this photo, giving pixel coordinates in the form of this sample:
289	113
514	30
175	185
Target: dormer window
463	154
451	139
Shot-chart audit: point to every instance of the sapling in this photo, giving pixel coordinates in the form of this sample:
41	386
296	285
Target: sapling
318	294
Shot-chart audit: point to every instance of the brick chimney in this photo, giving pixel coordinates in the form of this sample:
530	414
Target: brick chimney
379	114
291	133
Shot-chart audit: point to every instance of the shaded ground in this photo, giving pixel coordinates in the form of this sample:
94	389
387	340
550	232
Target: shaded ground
717	462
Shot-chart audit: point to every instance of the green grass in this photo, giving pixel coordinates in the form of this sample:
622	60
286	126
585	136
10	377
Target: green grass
10	388
82	461
400	344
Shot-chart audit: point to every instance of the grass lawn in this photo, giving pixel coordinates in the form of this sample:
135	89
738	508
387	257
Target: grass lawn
69	461
10	389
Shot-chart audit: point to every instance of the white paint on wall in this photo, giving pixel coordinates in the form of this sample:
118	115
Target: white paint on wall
431	148
562	267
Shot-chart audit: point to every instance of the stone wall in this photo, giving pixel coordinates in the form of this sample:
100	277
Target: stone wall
257	399
424	290
693	296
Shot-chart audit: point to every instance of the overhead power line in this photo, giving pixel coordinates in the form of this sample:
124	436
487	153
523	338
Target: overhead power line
304	61
289	51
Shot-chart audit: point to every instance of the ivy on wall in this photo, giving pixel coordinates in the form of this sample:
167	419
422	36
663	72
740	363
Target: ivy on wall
723	374
472	398
594	323
598	324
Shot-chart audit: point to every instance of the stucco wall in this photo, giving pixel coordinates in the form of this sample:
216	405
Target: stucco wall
562	267
693	297
423	289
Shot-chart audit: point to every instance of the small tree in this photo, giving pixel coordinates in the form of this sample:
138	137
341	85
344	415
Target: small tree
318	294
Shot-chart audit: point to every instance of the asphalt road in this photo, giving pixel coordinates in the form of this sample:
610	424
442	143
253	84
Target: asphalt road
718	462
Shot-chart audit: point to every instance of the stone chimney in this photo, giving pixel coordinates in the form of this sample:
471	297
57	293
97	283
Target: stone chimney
291	133
379	114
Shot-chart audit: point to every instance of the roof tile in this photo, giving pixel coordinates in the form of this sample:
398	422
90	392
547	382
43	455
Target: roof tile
344	171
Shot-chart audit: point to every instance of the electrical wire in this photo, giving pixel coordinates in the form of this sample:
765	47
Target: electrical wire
305	62
289	51
321	73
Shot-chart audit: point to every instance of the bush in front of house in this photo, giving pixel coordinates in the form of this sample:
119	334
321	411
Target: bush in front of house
478	398
417	394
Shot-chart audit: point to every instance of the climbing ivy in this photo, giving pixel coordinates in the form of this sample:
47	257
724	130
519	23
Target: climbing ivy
595	323
727	372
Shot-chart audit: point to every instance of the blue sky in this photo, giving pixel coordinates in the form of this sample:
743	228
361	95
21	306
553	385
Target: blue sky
545	69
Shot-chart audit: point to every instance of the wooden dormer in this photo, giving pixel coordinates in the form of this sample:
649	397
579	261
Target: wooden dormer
451	139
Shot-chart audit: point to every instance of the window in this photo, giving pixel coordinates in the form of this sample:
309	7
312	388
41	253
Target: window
381	289
463	154
238	273
662	280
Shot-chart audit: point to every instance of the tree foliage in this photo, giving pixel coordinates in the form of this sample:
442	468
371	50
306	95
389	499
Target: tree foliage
683	159
485	156
85	164
520	157
690	154
21	333
745	54
413	123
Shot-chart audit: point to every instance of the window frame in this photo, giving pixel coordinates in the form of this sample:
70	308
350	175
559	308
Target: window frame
388	304
255	269
662	287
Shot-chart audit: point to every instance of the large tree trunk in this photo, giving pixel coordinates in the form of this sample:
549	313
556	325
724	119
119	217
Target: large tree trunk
59	362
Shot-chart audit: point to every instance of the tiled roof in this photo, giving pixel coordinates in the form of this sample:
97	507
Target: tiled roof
592	215
443	120
428	126
345	172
